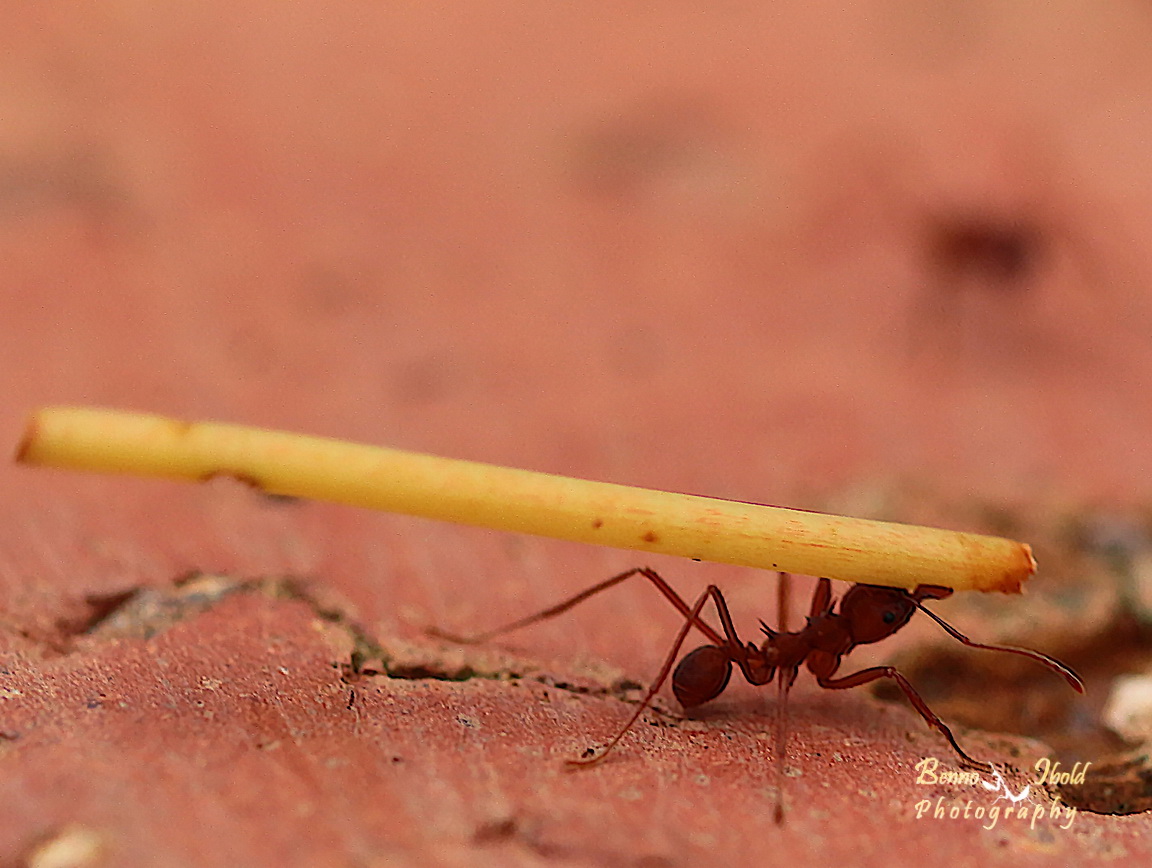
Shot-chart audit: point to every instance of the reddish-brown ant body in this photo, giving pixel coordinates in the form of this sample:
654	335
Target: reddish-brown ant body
867	614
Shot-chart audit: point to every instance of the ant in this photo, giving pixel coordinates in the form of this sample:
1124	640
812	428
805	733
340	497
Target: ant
867	614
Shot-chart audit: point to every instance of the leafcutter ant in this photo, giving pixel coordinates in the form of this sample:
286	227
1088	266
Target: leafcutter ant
866	614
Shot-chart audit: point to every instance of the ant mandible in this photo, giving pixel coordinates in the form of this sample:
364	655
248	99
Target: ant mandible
867	614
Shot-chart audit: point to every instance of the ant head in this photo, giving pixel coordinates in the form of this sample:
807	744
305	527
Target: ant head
873	612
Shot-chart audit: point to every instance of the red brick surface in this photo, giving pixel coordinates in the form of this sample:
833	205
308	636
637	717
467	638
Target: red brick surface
862	258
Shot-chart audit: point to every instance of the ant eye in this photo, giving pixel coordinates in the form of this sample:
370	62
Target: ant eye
875	612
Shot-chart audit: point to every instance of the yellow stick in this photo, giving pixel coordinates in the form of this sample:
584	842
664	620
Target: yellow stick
704	528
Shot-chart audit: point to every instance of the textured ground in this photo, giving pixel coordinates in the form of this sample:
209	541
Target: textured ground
890	260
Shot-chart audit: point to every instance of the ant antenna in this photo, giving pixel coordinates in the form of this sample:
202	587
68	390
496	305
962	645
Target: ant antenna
1051	662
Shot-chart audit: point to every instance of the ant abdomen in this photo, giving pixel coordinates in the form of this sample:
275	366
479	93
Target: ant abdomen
701	676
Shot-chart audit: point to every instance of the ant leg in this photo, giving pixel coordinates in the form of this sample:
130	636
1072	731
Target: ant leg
780	739
662	586
730	641
692	619
821	604
865	676
821	599
783	600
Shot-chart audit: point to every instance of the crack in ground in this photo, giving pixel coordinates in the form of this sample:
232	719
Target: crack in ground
1121	787
144	612
1117	788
